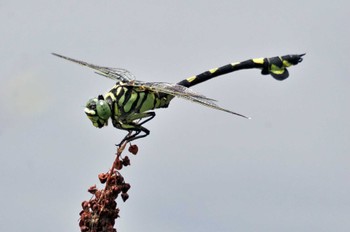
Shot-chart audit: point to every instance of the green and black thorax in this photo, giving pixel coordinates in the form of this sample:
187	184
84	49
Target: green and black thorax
126	100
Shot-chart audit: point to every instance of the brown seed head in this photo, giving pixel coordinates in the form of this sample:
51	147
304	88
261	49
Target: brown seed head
125	187
126	161
92	189
125	196
102	177
133	149
85	205
118	165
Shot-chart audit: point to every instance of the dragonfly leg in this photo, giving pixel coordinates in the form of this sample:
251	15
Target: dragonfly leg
137	129
147	116
132	126
150	116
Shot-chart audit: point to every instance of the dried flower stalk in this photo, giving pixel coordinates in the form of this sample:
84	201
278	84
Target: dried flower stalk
100	212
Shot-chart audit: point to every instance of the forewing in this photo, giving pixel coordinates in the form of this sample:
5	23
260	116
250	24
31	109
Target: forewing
174	89
210	104
185	93
117	74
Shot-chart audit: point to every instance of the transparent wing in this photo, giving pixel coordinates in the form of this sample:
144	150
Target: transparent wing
185	93
172	89
117	74
128	78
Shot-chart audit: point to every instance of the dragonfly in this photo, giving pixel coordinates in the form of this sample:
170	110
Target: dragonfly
130	102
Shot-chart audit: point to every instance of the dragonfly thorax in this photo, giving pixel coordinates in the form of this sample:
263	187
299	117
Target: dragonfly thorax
98	111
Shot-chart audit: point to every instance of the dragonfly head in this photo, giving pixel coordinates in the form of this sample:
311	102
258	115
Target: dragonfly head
98	111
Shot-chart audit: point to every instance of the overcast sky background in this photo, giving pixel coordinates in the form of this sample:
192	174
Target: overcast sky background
287	169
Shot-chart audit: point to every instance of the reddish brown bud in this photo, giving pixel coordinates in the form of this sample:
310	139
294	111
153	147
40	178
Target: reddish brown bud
113	204
118	165
85	205
92	201
102	177
95	207
115	190
116	213
92	189
120	179
84	216
125	196
111	181
105	202
125	187
81	222
126	161
133	149
110	228
81	212
84	229
98	194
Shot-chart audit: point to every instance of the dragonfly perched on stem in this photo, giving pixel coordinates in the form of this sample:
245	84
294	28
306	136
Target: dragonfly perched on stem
130	102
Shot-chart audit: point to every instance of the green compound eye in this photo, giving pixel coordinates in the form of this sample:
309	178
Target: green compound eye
98	111
103	109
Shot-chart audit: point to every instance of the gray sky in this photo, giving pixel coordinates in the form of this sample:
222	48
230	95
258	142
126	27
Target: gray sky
287	169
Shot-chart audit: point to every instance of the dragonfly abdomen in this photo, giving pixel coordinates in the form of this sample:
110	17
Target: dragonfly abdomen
275	66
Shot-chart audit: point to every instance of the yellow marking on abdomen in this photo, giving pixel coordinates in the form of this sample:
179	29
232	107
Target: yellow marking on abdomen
276	70
286	63
190	79
258	60
213	70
